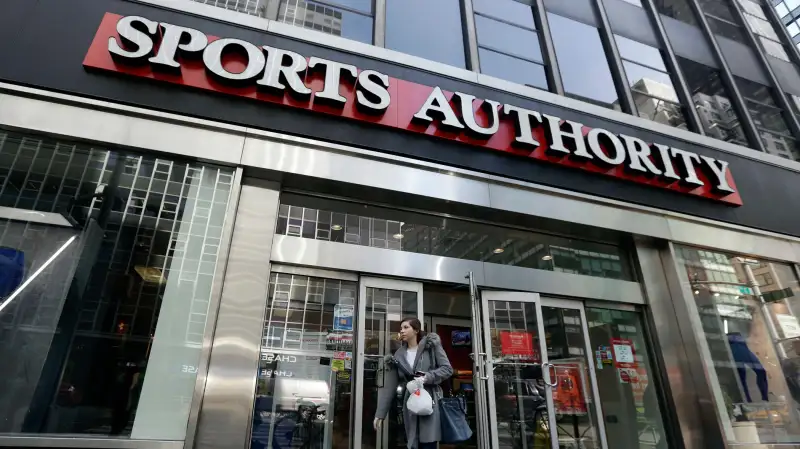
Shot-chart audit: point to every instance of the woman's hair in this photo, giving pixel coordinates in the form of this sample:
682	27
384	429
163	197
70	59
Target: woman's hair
416	325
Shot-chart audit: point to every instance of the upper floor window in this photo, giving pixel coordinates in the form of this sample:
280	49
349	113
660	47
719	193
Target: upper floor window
781	9
721	19
650	84
508	42
712	102
677	9
428	29
768	38
582	62
769	119
352	19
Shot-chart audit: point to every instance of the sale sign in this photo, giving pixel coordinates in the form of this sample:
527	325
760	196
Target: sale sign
623	353
519	345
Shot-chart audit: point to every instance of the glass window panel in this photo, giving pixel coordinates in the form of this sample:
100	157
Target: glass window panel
326	19
761	27
641	53
712	102
508	39
793	29
659	110
323	414
359	5
427	29
634	2
753	376
727	29
633	417
508	10
782	10
582	60
512	69
649	81
718	8
774	49
767	117
677	9
429	234
753	8
792	4
114	351
780	145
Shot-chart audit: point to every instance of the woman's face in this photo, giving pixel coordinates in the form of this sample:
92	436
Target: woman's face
407	333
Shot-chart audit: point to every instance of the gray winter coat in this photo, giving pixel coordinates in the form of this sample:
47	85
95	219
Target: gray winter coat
419	429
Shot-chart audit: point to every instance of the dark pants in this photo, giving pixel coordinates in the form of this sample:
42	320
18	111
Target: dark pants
427	446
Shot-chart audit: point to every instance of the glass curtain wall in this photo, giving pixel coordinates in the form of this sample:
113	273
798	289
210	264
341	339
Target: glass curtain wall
508	42
746	318
650	83
722	20
765	33
102	316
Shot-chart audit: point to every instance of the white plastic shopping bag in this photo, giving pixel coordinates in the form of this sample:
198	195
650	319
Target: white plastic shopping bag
420	402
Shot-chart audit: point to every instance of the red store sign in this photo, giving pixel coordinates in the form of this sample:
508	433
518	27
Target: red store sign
169	53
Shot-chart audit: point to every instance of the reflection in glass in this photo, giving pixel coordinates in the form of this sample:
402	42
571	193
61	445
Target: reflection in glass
428	29
582	61
508	43
630	404
359	224
576	416
328	18
512	69
103	318
385	310
712	102
650	84
519	388
508	39
303	398
750	331
757	20
252	7
769	119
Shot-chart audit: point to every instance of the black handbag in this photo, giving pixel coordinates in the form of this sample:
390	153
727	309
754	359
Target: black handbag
452	416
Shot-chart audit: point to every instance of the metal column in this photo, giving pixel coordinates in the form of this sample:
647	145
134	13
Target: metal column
548	49
617	71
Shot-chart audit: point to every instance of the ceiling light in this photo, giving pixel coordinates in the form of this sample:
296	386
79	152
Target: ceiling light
697	292
336	227
716	293
498	250
547	257
398	236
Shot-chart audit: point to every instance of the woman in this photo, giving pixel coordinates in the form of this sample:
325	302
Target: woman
422	356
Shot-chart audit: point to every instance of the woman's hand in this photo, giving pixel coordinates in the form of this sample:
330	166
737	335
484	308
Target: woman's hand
376	424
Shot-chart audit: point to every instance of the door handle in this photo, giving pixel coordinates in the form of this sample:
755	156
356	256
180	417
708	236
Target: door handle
547	367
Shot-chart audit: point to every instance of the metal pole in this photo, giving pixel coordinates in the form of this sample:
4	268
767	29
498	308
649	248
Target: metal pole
548	49
478	376
737	101
379	32
671	61
470	36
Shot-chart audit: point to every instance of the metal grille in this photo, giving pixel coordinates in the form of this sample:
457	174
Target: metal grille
301	311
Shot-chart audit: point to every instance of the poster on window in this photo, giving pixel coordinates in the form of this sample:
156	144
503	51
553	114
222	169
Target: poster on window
518	345
623	353
343	317
568	393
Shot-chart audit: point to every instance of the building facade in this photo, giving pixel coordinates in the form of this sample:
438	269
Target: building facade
215	215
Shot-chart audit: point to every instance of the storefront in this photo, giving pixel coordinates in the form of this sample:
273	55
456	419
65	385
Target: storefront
209	236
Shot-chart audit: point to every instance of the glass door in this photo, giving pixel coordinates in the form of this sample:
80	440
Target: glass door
383	304
541	392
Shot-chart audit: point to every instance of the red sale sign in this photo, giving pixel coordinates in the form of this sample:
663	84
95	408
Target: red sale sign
518	345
